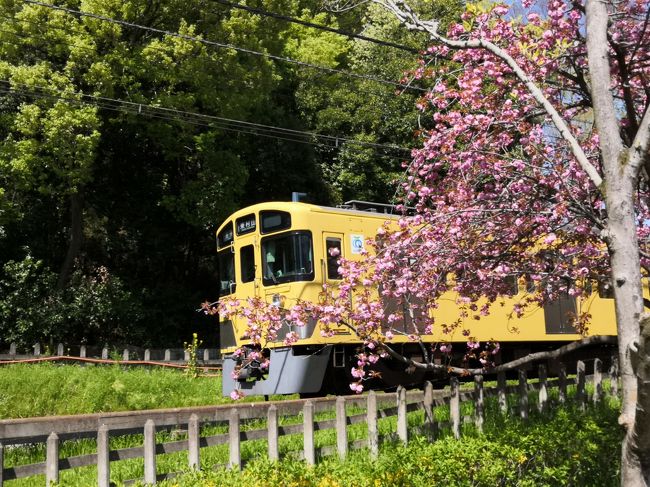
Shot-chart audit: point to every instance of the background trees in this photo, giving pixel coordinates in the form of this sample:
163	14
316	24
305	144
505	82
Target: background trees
113	175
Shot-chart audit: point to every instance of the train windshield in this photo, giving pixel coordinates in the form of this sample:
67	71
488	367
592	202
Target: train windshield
287	258
226	261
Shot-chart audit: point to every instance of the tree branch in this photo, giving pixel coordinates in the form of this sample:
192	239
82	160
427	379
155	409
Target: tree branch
533	357
406	15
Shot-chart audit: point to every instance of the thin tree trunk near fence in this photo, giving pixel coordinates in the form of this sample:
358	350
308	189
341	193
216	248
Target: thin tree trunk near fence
54	429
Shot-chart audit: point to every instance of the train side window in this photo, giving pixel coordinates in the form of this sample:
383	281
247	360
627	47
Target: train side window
274	221
333	249
247	262
605	290
513	285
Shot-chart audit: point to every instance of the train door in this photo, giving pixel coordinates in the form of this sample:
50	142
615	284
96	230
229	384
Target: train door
247	257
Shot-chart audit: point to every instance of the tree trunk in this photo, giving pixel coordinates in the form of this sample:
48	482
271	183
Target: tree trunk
75	239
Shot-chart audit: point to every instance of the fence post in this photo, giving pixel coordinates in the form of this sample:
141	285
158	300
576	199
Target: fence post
479	402
429	420
125	354
543	390
341	428
52	460
37	349
103	458
235	446
598	380
105	352
580	381
562	384
308	433
59	349
193	440
613	376
523	394
501	392
150	452
82	351
454	406
168	355
2	459
12	349
147	355
206	354
373	431
272	429
402	420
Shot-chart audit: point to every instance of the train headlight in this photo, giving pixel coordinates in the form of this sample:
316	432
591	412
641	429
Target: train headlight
277	300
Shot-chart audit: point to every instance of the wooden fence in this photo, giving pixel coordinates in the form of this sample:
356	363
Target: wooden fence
344	412
129	355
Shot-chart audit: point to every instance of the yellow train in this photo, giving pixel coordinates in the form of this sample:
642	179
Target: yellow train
280	252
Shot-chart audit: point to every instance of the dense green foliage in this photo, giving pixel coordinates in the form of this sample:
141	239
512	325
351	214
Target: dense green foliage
107	211
565	447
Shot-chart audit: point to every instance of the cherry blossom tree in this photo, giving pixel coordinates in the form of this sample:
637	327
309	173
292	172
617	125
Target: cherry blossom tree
537	166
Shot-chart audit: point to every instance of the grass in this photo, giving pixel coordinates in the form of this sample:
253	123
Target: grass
561	447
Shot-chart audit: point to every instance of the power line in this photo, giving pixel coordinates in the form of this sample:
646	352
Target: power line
294	20
326	141
222	45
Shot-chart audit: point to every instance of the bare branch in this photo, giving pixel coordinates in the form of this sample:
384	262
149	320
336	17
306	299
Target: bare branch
533	357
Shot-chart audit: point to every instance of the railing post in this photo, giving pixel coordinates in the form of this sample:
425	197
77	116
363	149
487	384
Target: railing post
193	440
308	433
341	428
373	431
613	376
561	374
402	420
12	349
59	349
186	356
454	407
103	458
150	452
429	420
523	394
543	389
598	380
235	446
105	352
2	459
82	351
52	460
125	354
147	355
272	429
37	349
479	402
580	381
168	355
206	354
502	392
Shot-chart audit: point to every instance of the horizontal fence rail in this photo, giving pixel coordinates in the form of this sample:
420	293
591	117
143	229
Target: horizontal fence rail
129	355
267	421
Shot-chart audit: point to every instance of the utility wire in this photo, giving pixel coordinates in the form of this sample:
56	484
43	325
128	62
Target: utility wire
222	45
292	135
294	20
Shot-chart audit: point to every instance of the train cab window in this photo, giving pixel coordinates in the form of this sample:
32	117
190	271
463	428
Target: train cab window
226	262
274	221
225	236
513	285
287	258
333	249
247	262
